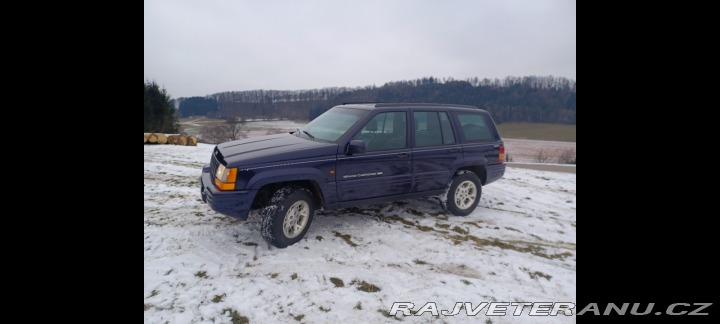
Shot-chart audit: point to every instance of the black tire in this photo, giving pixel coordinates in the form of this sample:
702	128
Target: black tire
464	194
288	216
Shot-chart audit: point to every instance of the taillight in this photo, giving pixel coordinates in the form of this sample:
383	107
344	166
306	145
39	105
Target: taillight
501	156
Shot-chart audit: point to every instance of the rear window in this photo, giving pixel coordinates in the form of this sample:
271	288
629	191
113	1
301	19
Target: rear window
474	127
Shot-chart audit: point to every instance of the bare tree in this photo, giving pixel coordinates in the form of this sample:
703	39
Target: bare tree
566	156
232	129
541	156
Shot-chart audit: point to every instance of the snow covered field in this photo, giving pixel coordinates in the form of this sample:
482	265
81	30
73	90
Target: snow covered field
525	150
519	245
193	125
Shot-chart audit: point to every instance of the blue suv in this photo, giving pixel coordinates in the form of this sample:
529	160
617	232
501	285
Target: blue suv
353	155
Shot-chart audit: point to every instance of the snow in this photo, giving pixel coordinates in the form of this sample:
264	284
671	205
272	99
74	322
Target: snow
525	150
519	245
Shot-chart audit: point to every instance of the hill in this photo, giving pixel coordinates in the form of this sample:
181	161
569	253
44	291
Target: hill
513	99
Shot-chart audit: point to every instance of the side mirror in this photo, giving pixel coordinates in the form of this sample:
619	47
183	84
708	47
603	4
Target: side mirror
355	147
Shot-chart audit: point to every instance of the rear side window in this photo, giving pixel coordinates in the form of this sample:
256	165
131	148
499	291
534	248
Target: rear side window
427	129
447	132
432	128
474	127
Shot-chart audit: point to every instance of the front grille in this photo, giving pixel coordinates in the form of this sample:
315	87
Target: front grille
214	163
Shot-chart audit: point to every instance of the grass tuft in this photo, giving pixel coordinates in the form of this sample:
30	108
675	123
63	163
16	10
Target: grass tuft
218	298
537	274
346	238
459	230
366	286
337	282
236	318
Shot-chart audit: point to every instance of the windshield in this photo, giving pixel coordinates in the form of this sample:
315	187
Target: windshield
332	125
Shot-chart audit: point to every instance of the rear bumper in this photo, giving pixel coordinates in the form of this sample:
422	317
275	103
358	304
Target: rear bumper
230	203
494	172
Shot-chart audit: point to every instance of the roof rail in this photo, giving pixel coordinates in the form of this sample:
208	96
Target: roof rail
396	104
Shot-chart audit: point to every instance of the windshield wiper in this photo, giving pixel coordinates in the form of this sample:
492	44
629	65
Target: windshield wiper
308	134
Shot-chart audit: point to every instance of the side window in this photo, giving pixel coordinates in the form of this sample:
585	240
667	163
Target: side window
427	129
474	127
447	132
385	131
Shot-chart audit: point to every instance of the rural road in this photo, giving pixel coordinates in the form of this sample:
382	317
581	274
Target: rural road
569	168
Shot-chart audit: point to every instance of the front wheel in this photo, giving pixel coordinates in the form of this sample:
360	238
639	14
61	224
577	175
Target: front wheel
288	216
464	194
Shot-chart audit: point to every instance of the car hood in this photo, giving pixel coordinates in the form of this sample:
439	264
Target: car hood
262	150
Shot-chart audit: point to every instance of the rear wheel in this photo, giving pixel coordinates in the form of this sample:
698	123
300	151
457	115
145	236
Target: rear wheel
288	216
464	194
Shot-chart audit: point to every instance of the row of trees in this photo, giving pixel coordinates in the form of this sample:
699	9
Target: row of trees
159	110
197	106
519	99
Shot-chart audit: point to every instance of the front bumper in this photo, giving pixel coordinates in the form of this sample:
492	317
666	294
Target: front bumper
231	203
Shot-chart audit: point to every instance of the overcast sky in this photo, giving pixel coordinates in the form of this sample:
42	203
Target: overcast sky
196	48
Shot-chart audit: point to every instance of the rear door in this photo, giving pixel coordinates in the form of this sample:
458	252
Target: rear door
481	144
384	169
435	150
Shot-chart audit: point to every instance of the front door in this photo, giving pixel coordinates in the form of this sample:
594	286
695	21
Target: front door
384	169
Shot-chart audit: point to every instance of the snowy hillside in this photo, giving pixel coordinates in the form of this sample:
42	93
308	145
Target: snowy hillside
202	267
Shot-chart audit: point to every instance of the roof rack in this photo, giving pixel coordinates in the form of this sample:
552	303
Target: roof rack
402	104
398	104
361	103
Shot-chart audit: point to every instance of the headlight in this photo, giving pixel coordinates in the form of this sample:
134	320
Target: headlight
225	178
220	171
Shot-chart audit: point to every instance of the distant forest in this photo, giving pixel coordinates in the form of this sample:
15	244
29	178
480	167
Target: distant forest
539	99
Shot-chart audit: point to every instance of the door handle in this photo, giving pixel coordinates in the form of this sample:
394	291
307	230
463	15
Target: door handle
403	155
454	150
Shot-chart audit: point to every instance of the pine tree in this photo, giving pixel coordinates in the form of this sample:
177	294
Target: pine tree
159	110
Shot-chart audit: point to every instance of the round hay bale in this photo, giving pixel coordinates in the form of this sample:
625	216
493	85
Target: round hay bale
162	139
182	140
192	141
145	138
152	138
172	139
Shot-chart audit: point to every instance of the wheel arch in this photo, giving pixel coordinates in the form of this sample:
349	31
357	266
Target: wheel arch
266	192
479	171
